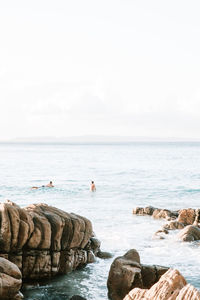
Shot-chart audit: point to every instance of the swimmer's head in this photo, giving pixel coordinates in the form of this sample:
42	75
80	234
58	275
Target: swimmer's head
92	182
50	182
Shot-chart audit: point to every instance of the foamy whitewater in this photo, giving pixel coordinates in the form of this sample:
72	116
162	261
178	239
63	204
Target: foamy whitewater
164	175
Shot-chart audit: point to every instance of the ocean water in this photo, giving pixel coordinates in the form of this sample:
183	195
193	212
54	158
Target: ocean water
164	175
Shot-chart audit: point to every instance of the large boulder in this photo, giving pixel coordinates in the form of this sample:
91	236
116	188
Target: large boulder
126	272
171	286
10	280
44	241
189	233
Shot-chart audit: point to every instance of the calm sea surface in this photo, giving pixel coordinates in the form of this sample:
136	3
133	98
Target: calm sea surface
165	175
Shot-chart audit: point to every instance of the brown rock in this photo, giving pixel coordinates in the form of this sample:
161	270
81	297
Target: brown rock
144	210
188	292
10	280
164	214
189	233
157	213
44	241
104	255
126	272
171	286
187	216
172	225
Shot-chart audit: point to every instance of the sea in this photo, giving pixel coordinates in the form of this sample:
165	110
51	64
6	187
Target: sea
163	175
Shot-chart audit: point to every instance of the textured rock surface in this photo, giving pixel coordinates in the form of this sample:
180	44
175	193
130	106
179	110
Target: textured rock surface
126	272
172	225
172	285
187	216
189	233
10	280
157	213
184	217
44	241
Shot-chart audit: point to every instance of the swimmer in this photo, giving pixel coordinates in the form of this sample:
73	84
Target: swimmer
50	184
92	187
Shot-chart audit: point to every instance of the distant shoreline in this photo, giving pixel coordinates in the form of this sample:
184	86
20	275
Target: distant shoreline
98	143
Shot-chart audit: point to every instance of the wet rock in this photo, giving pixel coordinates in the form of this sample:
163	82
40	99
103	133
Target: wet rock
189	233
95	244
144	210
104	255
157	213
44	241
164	214
171	286
126	272
160	234
10	280
172	225
187	216
77	297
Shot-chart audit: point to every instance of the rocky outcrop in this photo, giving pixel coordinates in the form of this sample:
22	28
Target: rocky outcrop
186	216
176	220
172	285
44	241
157	213
189	216
10	280
189	233
126	272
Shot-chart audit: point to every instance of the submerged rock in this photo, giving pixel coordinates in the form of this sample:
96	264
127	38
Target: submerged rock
44	241
77	297
10	280
126	272
171	286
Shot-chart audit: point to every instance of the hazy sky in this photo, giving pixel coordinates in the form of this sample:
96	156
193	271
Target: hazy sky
129	68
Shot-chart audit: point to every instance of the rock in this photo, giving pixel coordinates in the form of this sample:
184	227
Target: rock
160	234
95	244
171	286
164	214
104	255
44	241
188	292
189	233
144	210
157	213
126	272
77	297
187	216
172	225
10	280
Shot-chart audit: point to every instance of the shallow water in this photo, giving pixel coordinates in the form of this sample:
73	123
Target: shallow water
165	175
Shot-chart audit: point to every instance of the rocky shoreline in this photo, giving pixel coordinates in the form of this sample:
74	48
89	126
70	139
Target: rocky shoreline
130	280
40	241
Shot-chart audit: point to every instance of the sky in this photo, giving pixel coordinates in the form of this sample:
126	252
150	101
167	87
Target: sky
120	68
